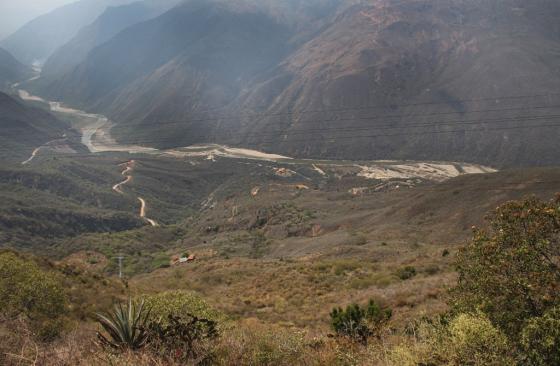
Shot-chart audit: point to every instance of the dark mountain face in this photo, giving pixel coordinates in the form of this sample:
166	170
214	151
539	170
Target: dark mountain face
24	128
11	70
422	79
425	63
39	38
195	48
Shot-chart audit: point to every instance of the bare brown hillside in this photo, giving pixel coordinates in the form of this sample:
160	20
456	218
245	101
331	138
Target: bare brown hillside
424	79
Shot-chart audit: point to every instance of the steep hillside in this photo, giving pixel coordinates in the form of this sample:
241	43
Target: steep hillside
425	79
41	204
440	66
106	26
38	39
11	70
24	128
197	51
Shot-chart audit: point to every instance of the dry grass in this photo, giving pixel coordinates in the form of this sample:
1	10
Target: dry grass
247	343
302	292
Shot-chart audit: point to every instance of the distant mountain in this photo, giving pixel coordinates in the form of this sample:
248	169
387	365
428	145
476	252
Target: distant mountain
197	47
38	39
11	70
106	26
24	128
421	79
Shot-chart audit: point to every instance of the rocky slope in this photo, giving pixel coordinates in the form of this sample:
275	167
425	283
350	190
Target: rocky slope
425	79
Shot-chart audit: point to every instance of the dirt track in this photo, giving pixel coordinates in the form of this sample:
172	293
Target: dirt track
118	188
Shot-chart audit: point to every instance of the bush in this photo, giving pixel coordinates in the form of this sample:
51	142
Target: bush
406	273
432	269
29	292
464	340
540	339
182	304
512	272
359	323
182	340
475	341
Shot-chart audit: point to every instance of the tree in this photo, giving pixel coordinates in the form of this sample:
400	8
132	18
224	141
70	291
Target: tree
511	272
28	291
359	323
540	339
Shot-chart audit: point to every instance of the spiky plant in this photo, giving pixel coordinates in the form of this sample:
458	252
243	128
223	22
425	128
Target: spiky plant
125	326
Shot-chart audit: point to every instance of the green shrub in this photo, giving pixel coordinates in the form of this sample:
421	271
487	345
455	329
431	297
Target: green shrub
359	323
432	269
28	291
475	341
406	273
464	340
511	272
343	266
182	340
541	339
183	304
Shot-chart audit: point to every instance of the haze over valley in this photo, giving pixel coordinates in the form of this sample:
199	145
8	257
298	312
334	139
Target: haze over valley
280	182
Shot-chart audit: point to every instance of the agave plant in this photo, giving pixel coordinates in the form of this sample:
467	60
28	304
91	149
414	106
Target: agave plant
125	326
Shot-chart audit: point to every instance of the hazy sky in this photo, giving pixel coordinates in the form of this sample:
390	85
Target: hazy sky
15	13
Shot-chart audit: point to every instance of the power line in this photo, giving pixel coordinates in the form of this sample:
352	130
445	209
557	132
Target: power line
120	259
402	134
387	126
399	126
323	120
389	106
309	139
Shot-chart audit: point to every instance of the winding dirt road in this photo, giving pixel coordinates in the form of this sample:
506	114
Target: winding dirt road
33	155
143	212
36	151
118	188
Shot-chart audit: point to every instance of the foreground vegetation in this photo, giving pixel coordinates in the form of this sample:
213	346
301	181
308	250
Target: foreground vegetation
503	310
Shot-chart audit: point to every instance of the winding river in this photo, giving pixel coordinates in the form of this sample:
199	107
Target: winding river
94	128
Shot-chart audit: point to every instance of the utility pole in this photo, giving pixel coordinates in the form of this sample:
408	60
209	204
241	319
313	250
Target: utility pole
120	258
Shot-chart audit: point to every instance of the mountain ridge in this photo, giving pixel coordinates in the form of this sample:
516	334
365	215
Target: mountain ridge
416	60
35	41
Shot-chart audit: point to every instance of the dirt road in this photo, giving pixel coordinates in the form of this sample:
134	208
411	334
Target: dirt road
129	167
143	212
36	151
